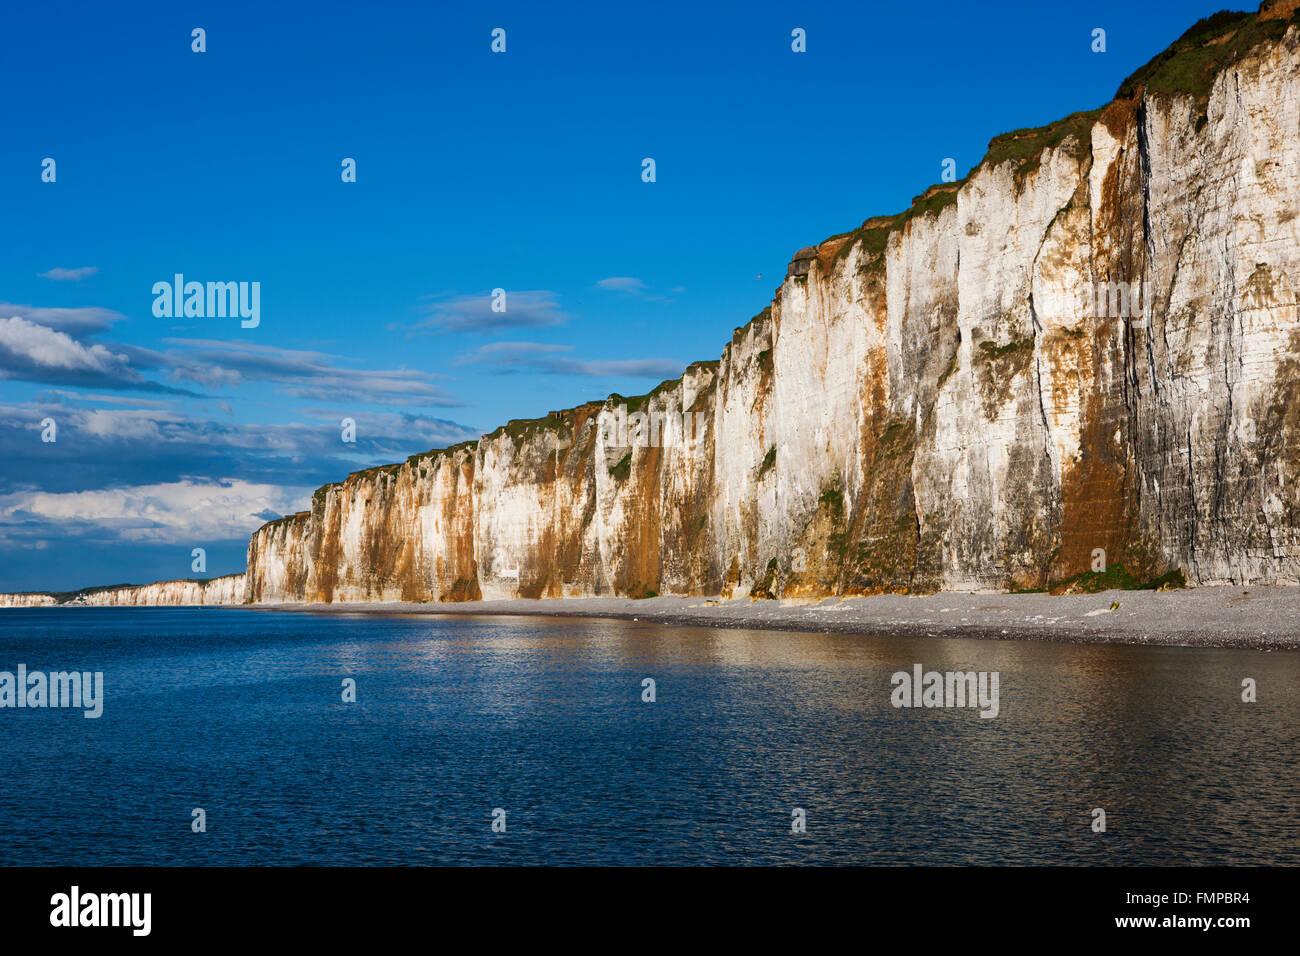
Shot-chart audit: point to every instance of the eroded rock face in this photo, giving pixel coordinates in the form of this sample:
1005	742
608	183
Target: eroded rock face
1087	346
935	401
400	533
27	599
228	589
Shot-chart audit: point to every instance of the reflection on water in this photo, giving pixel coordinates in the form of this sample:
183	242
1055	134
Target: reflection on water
241	713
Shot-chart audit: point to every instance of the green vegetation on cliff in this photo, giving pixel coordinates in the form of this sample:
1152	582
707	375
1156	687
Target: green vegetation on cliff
1190	64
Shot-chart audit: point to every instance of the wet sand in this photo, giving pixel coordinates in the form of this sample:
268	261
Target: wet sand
1265	617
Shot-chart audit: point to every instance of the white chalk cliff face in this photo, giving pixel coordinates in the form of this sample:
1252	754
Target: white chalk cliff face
27	600
228	589
936	400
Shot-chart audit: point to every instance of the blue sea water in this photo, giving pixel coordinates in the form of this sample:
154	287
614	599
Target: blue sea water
240	712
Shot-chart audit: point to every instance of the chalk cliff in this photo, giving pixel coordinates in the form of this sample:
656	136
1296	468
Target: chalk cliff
28	599
228	589
1088	345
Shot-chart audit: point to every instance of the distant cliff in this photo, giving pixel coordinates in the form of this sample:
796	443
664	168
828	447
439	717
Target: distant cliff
1086	351
228	589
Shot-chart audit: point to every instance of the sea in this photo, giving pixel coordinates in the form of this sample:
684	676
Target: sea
232	736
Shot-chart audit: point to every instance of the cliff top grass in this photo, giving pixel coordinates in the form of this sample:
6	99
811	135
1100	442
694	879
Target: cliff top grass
873	234
63	597
449	450
376	470
521	428
739	331
299	515
1025	147
636	403
931	202
1190	64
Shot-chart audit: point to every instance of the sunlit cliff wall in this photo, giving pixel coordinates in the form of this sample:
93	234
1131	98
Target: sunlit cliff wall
936	400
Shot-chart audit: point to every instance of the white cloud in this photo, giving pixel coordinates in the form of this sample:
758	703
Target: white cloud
634	287
79	321
184	512
303	374
70	275
524	308
503	357
28	349
621	284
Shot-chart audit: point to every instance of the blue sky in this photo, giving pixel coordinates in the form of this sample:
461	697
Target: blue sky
475	171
